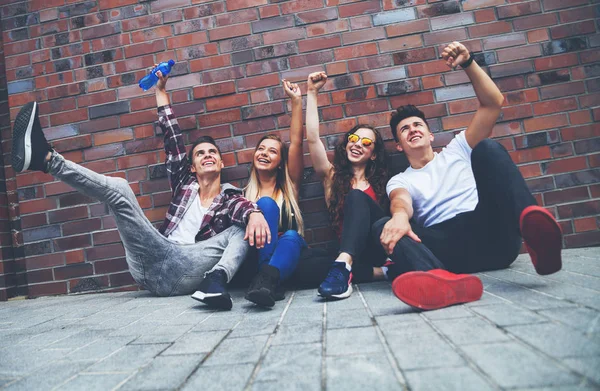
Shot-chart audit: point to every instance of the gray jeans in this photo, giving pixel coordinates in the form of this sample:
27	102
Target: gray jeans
156	263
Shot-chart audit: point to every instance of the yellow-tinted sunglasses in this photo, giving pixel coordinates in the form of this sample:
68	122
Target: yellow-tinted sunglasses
354	138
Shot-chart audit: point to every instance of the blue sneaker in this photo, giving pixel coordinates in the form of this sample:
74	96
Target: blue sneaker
212	291
338	284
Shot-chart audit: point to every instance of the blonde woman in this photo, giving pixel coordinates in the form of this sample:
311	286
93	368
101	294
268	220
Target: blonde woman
275	178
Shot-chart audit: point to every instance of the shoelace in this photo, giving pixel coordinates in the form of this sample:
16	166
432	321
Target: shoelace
335	275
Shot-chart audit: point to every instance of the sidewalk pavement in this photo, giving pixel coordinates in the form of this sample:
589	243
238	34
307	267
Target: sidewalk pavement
527	332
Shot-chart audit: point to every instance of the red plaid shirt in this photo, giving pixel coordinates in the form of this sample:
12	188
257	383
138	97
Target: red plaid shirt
227	209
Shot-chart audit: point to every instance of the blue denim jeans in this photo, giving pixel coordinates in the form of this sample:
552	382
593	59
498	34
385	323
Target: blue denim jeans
284	250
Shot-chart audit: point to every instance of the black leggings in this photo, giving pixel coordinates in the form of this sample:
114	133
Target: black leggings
487	238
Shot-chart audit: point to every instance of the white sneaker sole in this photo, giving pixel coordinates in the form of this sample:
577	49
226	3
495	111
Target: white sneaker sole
340	296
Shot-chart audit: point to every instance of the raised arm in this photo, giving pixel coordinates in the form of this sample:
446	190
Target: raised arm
318	154
399	225
295	157
489	96
176	161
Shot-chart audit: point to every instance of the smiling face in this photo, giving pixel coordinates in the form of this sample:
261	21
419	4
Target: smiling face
413	134
206	159
267	156
357	152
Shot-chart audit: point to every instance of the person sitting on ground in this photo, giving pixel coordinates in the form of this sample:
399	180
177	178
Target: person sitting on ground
355	194
275	177
463	210
201	242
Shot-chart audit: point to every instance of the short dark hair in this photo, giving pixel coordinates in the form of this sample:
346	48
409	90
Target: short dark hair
200	140
402	113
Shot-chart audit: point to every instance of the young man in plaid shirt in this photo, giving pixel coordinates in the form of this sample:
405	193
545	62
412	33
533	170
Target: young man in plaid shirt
208	228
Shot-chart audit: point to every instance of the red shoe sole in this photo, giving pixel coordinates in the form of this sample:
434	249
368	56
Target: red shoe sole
543	239
429	292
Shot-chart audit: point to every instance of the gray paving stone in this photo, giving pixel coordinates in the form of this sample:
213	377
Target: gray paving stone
98	349
255	326
357	317
218	322
48	377
469	331
583	319
511	364
587	366
364	372
300	366
357	340
194	343
447	379
94	382
508	314
557	340
163	334
453	312
299	333
4	382
128	358
238	350
579	387
164	373
423	350
26	360
220	378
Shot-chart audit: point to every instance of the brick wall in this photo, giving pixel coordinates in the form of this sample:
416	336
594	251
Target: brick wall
81	59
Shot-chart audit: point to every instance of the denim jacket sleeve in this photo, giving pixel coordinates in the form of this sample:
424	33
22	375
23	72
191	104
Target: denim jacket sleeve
176	162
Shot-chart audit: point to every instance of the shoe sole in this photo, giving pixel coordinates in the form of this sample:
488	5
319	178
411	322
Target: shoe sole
21	149
261	297
427	291
216	300
340	296
543	239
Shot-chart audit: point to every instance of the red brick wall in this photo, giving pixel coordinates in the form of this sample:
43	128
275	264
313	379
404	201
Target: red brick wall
81	59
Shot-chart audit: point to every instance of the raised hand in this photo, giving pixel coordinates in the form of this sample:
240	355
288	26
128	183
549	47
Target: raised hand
316	81
161	84
292	90
455	54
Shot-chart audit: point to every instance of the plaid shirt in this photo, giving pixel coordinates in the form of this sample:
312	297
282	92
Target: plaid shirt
227	209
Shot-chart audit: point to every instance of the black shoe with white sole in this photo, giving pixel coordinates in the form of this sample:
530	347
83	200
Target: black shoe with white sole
29	147
212	291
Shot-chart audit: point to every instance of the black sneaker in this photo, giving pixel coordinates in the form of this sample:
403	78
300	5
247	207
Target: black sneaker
263	288
29	147
213	292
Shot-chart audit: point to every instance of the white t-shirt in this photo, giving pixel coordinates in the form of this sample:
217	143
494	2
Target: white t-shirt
186	230
443	188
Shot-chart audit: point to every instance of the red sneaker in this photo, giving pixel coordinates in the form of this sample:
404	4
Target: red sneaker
543	239
436	289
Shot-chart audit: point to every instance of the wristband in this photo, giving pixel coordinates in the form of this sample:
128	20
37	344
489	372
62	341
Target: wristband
466	64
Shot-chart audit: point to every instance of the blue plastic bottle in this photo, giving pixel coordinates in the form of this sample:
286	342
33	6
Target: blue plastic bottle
150	79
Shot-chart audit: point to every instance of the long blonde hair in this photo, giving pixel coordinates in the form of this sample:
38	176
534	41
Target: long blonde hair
285	191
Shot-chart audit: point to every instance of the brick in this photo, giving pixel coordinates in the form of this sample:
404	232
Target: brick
271	24
580	13
242	57
427	68
515	112
53	288
229	32
290	34
587	146
548	122
417	99
550	5
449	21
256	82
372	34
283	49
516	68
71	271
580	132
569	30
262	110
438	9
335	26
580	117
269	11
366	107
551	77
212	62
400	43
554	106
564	165
494	28
521	9
563	46
361	22
589	100
407	28
567	195
439	37
113	136
560	61
386	74
226	102
101	31
308	45
362	8
373	62
535	21
233	5
530	155
210	90
540	35
309	59
221	117
69	116
529	51
81	226
316	16
361	50
299	6
336	68
362	93
396	16
565	89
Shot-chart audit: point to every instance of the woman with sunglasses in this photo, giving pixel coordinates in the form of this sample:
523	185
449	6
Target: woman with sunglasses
275	178
355	195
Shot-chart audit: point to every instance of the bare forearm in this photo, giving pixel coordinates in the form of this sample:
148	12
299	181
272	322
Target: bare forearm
400	205
162	98
312	117
487	92
296	125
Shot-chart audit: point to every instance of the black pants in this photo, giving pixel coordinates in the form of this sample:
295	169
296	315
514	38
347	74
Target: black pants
487	238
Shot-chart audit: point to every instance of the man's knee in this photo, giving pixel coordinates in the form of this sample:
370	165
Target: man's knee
487	149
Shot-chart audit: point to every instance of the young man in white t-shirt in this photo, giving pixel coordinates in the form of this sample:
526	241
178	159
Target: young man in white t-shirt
462	210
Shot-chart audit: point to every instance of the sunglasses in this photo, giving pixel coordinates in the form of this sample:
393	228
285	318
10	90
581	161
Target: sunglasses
354	138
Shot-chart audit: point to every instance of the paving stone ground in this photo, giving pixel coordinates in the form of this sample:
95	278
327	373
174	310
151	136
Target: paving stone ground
526	333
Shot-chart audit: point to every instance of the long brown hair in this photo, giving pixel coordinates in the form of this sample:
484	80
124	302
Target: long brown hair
285	191
375	173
